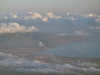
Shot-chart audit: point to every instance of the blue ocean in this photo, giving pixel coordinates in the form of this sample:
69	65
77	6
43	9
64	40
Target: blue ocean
88	48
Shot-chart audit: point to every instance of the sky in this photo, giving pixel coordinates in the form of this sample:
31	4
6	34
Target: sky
58	6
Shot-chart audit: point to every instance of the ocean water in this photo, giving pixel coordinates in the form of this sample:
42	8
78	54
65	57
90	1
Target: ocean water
88	48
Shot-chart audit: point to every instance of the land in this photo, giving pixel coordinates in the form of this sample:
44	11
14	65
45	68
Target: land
35	40
25	46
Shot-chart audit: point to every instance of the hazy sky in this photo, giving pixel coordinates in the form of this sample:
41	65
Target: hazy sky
60	6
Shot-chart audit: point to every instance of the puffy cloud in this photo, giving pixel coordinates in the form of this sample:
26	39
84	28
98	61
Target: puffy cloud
91	15
55	22
51	15
10	15
14	15
19	64
45	19
37	15
37	66
3	55
15	28
68	14
85	64
48	16
41	44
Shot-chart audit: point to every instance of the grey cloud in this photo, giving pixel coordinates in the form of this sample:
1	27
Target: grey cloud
57	68
85	64
19	64
3	55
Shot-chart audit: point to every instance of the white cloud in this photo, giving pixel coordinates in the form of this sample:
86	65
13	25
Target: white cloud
37	15
51	15
91	15
14	16
41	44
15	28
65	68
68	14
3	55
45	19
10	15
79	32
19	64
85	64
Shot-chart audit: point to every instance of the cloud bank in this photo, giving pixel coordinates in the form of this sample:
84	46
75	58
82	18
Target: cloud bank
15	28
47	16
19	64
64	22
